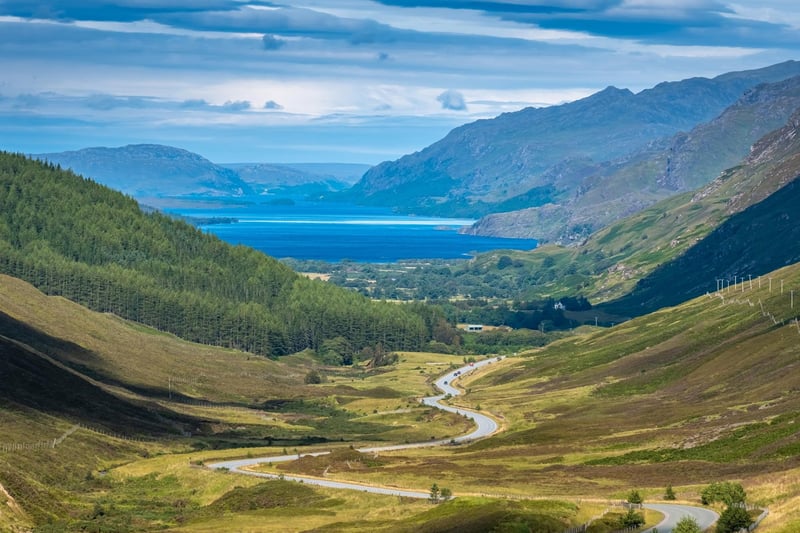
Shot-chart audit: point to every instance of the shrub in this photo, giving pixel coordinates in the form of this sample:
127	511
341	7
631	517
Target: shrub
687	524
733	519
313	378
634	497
631	519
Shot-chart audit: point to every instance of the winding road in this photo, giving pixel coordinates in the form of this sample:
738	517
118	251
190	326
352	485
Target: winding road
485	426
674	512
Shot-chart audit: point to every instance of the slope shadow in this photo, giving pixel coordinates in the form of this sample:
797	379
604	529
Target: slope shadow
759	240
28	378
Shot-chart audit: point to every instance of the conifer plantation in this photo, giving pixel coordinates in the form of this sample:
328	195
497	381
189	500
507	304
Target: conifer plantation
71	237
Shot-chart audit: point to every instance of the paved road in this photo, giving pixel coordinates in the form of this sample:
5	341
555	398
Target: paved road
485	426
674	512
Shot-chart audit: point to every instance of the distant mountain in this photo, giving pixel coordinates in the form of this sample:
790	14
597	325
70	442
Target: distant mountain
684	162
152	170
299	179
538	156
148	171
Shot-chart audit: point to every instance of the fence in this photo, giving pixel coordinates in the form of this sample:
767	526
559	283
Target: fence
742	286
38	445
758	520
10	447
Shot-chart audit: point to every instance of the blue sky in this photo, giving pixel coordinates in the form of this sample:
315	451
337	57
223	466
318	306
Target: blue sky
345	80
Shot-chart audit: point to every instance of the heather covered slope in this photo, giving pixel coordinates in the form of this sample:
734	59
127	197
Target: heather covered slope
701	392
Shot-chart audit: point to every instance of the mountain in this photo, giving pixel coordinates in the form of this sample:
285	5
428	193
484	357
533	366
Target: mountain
152	170
760	231
298	179
664	247
542	155
684	162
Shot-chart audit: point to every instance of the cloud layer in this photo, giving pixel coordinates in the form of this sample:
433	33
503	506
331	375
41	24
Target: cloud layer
347	80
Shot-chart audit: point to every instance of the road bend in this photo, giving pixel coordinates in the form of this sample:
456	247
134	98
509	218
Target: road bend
484	426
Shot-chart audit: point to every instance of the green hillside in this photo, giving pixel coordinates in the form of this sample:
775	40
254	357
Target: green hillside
689	395
72	237
609	264
749	244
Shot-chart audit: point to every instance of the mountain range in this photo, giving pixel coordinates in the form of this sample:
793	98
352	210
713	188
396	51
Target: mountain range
546	157
152	171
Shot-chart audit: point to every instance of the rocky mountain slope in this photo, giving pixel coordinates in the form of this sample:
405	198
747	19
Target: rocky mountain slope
664	168
538	156
758	230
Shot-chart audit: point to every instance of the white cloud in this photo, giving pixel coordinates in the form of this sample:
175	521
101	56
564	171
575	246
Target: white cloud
354	63
452	100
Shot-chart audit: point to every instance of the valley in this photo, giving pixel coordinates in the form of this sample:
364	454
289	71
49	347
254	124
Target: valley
639	366
554	410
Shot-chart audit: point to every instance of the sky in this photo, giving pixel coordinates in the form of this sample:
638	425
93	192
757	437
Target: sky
357	81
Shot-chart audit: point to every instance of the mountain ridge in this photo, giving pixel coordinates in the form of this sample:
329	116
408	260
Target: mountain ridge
490	161
663	168
150	171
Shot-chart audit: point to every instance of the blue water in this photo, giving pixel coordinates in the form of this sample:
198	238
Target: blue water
333	232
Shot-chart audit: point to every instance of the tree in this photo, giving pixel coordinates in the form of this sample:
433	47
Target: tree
634	497
435	494
687	524
669	494
445	494
631	519
727	492
504	262
733	519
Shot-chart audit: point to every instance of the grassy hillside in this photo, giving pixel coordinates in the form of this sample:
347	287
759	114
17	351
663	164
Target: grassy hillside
697	393
113	392
702	392
609	264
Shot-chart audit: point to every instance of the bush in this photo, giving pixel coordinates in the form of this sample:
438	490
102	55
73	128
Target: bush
733	519
687	524
634	497
631	519
731	494
313	378
669	494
